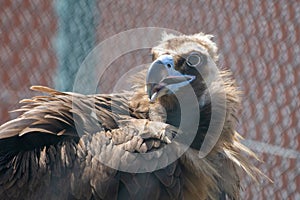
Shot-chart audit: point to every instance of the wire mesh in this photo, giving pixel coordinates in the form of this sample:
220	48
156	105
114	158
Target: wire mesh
258	40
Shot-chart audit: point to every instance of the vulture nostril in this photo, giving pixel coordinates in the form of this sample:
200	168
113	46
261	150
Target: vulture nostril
169	65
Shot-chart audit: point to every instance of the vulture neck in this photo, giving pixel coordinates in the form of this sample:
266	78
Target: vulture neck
174	111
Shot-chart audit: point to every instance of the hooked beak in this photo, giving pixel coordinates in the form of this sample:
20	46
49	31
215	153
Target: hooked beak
162	78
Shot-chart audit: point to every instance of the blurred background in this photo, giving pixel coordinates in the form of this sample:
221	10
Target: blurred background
44	43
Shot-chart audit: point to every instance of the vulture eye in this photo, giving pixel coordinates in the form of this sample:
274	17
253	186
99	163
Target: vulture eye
193	60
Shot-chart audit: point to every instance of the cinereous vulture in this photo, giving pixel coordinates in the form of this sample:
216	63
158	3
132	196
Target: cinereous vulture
172	137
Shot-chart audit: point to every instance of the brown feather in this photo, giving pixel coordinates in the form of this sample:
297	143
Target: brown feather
52	149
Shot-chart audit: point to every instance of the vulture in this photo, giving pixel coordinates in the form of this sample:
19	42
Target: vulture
173	136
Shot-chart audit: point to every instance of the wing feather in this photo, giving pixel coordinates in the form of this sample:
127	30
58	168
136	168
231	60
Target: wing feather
44	143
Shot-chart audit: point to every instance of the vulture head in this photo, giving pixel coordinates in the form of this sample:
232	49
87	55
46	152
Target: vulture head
180	62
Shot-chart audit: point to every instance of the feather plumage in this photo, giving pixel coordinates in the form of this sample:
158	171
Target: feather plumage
55	147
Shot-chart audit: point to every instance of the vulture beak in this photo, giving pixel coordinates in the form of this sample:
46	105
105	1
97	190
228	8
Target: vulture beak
162	78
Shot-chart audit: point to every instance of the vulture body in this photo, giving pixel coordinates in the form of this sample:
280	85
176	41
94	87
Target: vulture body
115	146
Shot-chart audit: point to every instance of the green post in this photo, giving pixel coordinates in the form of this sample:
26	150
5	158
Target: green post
76	36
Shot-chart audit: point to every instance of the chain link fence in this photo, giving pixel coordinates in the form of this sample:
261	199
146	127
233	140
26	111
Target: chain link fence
44	43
